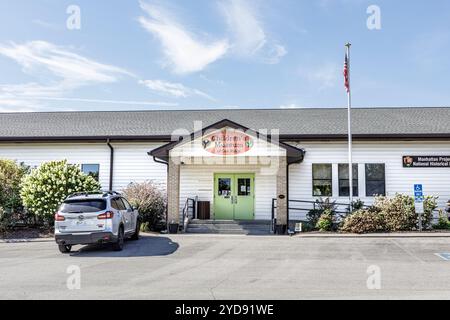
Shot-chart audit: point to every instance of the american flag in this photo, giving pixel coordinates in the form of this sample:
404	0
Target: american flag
346	79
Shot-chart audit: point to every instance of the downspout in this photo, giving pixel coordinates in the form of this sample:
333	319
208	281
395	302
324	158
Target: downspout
111	164
167	164
287	189
287	197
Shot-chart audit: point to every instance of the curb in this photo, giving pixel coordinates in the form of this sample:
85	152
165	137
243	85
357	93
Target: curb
27	240
375	236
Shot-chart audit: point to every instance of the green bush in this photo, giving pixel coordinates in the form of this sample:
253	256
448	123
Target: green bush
326	221
4	221
363	221
390	215
313	216
148	198
429	205
322	206
398	212
46	187
11	174
443	222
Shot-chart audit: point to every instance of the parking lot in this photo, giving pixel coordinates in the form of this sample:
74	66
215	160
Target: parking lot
230	267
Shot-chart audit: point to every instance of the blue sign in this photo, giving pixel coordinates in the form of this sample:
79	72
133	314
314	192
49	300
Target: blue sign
418	192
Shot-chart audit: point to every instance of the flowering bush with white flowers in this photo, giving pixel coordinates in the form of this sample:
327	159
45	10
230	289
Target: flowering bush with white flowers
44	189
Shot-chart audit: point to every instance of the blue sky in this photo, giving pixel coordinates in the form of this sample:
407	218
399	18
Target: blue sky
155	54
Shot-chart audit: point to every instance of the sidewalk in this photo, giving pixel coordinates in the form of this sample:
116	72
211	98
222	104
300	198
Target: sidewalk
425	234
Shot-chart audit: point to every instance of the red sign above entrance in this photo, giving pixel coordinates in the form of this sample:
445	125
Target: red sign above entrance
227	142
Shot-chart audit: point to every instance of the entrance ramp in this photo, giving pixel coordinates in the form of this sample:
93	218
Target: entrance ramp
254	227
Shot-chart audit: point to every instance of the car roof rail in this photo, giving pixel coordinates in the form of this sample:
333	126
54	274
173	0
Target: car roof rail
86	193
110	193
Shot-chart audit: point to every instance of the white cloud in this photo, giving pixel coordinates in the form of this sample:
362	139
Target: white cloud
61	71
275	54
248	34
176	90
324	76
41	56
183	50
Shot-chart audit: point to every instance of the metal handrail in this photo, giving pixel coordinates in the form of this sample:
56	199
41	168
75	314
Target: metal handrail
314	203
186	208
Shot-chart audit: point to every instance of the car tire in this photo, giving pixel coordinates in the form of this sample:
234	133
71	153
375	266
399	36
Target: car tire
64	248
118	245
137	231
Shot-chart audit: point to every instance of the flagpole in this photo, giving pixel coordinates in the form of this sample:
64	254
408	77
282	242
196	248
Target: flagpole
349	112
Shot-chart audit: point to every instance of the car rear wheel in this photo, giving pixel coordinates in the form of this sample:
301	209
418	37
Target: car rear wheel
136	232
118	245
65	248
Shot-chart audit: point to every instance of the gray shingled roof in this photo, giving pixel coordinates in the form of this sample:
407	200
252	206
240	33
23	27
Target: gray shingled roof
305	122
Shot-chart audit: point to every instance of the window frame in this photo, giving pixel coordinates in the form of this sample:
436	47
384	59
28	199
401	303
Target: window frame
91	164
330	180
367	180
355	165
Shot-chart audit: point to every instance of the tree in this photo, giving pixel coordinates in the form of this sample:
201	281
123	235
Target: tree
45	188
11	174
150	201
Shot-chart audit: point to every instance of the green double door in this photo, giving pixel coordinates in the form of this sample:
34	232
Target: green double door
234	196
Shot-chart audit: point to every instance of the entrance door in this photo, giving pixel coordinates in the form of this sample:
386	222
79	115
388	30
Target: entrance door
234	196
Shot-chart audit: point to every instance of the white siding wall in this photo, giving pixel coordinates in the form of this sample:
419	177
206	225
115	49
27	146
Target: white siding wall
199	181
436	181
131	162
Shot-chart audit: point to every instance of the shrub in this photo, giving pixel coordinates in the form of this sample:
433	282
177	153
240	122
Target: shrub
322	205
326	221
46	187
357	205
390	215
398	212
443	222
429	205
313	216
363	221
151	203
4	221
326	204
11	174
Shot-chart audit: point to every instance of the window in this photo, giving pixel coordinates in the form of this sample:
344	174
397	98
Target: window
91	170
344	185
375	179
244	187
127	204
81	206
224	187
322	180
117	204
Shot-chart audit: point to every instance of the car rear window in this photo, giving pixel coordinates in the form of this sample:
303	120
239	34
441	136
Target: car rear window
77	206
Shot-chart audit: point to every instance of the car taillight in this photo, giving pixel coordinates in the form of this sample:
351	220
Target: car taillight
59	217
106	215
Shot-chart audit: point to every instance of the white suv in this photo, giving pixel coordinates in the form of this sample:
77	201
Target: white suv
102	217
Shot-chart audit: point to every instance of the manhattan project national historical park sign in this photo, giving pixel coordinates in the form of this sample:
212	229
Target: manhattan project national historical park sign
426	161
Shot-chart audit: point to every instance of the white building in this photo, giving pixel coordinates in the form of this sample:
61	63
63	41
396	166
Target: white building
288	155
